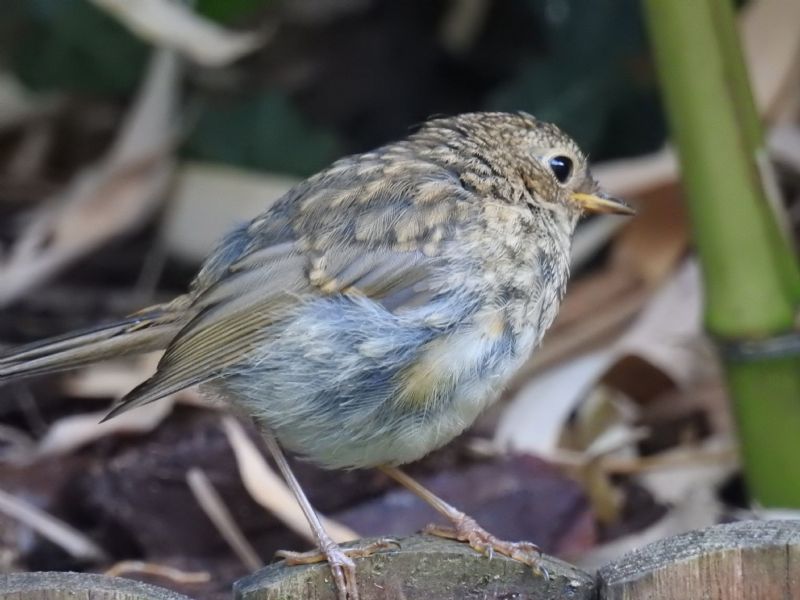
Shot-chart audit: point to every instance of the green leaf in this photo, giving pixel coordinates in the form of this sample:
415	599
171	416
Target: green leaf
226	11
261	131
593	79
71	45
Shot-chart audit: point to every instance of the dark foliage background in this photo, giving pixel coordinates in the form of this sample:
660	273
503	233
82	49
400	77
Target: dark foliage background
343	77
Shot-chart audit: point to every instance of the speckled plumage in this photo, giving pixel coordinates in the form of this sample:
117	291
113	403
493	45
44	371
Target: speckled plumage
371	313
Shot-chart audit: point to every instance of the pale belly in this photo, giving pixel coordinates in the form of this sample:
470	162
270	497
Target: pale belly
357	402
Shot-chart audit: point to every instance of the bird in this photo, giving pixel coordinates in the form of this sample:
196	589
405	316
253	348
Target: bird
371	313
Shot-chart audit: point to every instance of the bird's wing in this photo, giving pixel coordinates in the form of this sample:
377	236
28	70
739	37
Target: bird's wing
383	241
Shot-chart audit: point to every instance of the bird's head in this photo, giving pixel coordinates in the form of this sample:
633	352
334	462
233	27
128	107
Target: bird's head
550	170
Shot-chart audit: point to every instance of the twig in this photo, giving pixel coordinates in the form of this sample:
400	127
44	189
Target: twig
212	504
71	540
176	575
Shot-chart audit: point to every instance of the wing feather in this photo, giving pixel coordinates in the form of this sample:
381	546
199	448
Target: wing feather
307	247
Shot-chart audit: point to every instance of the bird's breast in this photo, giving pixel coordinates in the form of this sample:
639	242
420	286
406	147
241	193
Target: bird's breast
513	266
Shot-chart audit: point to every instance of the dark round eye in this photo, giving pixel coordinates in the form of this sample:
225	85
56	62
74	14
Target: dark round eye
561	167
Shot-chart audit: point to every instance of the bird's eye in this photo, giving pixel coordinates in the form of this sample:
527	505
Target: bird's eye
561	166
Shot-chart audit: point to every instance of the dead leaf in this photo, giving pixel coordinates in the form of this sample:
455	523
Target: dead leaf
17	443
269	490
784	145
534	420
71	540
591	237
771	46
678	473
514	497
69	433
19	106
207	200
700	509
112	379
174	25
107	199
666	332
654	242
661	335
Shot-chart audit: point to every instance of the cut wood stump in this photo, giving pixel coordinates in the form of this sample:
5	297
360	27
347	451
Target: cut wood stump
755	559
79	586
424	568
751	559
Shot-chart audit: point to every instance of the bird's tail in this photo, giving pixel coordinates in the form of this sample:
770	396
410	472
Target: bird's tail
149	329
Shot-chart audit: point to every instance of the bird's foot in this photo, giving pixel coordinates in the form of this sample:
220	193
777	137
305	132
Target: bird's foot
466	529
315	556
340	561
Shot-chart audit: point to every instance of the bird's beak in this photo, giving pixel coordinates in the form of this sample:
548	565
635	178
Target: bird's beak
599	202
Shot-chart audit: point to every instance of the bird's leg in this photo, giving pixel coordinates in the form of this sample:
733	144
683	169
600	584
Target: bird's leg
465	528
342	566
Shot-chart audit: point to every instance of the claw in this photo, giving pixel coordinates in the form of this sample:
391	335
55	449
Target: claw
467	530
341	562
343	569
541	571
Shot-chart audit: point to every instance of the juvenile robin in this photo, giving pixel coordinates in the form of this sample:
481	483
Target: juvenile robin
370	314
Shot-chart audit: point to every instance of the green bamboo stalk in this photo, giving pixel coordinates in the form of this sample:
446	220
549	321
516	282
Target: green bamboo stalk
752	278
735	71
741	95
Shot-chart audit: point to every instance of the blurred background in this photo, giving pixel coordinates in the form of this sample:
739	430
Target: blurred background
133	134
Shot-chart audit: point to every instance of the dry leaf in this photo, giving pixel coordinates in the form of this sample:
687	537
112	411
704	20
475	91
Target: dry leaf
534	420
111	379
631	177
662	335
683	471
172	24
209	199
653	243
269	490
700	509
69	433
784	145
17	445
591	237
666	332
771	44
65	536
107	199
19	106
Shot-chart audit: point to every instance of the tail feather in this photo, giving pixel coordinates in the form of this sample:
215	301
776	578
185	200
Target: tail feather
145	393
136	334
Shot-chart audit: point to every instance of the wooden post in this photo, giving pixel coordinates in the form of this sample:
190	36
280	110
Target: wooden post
78	586
424	568
752	559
